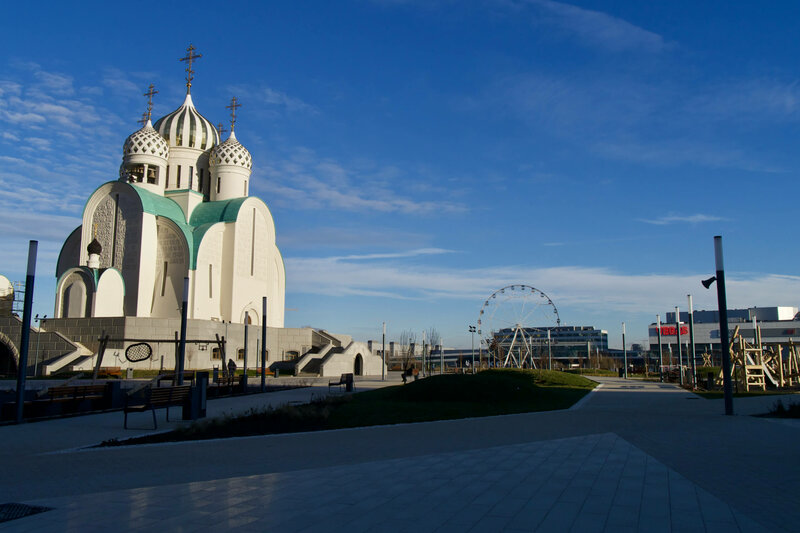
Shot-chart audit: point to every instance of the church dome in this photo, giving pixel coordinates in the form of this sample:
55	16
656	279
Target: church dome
94	248
146	141
187	127
231	152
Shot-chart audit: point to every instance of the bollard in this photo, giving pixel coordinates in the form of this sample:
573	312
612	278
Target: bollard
710	381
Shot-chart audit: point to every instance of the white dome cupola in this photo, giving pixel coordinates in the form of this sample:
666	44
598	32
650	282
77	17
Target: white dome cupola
187	128
231	165
144	159
190	136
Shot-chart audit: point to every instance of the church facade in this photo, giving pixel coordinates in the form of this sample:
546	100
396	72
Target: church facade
179	220
180	209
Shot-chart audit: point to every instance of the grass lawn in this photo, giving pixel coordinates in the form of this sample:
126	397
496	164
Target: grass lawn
492	392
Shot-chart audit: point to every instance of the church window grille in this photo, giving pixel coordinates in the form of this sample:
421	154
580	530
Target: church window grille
137	172
240	354
164	278
191	176
179	178
215	354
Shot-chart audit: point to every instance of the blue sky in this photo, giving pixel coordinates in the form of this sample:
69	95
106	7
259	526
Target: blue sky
417	156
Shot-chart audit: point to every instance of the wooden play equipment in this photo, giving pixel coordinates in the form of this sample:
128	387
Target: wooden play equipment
754	364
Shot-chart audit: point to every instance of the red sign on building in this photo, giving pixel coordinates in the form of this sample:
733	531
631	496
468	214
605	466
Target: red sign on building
672	330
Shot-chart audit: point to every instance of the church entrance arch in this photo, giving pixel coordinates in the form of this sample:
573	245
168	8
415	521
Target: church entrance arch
358	365
8	356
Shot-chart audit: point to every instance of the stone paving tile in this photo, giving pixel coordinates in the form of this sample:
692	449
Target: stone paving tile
583	484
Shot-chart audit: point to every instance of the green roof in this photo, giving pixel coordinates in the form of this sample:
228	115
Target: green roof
203	217
166	207
207	214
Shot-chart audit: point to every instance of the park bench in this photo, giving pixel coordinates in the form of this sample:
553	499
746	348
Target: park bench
158	398
109	372
75	393
188	377
345	380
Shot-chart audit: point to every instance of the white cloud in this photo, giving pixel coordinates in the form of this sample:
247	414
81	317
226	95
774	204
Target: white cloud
308	182
589	289
596	28
691	219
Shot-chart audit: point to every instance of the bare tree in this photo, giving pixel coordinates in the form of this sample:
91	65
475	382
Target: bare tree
408	340
432	338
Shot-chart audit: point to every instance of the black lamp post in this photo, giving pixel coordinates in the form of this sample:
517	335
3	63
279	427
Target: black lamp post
727	386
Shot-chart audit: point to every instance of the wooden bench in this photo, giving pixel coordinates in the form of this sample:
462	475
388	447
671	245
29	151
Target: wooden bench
109	372
75	393
158	398
346	380
188	376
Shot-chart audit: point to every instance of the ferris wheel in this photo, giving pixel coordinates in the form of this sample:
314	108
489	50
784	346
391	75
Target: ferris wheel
513	322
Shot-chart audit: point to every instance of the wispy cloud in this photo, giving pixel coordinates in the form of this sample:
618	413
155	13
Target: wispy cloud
596	28
307	181
589	289
691	219
272	98
622	117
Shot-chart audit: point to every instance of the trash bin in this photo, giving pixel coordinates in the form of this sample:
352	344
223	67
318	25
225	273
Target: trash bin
277	372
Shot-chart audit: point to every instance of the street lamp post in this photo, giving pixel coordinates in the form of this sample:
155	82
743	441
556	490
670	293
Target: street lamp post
624	351
660	351
549	352
38	336
691	342
722	303
383	355
678	341
472	331
441	356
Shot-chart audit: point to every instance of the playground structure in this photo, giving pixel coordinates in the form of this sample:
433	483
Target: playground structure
753	364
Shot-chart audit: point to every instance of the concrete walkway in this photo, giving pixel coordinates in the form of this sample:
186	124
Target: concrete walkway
634	456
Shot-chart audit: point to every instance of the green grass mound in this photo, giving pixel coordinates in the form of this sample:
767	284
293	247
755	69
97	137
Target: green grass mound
493	392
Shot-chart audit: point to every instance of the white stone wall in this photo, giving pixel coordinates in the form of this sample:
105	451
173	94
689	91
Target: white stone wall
172	250
344	363
110	294
252	256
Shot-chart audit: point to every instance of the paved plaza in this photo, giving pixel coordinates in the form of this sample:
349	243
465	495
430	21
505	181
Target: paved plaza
632	456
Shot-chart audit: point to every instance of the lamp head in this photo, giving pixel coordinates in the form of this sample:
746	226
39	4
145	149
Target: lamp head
707	282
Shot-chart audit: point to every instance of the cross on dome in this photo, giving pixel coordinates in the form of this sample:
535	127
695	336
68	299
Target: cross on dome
233	107
145	119
149	94
221	130
189	58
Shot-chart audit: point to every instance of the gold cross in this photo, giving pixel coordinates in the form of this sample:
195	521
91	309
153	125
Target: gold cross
145	118
233	107
189	58
149	94
221	130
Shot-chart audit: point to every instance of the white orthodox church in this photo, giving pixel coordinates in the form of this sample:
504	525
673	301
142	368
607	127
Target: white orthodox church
180	210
